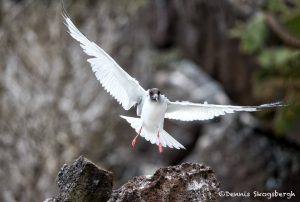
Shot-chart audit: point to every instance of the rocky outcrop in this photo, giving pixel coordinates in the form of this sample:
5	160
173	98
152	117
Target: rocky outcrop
84	181
185	182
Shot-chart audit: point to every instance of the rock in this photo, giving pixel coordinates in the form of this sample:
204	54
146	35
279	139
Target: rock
185	182
52	200
83	181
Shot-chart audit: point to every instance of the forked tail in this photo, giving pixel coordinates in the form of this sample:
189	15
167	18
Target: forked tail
165	139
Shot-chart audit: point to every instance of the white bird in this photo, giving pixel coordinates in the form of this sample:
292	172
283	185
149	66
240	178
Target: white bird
152	106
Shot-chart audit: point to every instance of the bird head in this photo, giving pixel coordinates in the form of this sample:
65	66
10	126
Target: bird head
154	94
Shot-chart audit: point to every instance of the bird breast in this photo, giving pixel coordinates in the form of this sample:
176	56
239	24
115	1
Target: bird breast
153	114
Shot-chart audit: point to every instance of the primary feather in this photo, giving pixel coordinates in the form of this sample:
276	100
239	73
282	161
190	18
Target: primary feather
188	111
125	89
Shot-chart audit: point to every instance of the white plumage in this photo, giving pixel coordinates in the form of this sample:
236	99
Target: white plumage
125	89
188	111
166	139
151	106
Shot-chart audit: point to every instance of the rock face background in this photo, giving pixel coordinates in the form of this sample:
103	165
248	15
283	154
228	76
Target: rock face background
52	109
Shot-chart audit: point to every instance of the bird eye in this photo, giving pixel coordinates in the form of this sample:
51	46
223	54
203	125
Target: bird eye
151	93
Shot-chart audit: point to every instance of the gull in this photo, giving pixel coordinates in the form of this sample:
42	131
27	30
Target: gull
152	106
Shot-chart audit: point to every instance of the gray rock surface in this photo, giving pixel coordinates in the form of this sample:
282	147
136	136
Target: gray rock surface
185	182
83	181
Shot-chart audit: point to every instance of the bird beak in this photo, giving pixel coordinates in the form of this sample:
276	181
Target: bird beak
155	97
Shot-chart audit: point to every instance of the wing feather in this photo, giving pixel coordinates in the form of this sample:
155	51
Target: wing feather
187	111
120	85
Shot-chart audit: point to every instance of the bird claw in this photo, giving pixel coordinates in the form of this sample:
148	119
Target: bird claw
133	142
160	149
134	139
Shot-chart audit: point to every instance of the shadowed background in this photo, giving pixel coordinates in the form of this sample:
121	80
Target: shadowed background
52	108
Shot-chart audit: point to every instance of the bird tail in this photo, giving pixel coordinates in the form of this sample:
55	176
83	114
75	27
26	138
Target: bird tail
165	139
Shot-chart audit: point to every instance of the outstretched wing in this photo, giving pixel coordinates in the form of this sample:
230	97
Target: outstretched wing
125	89
187	111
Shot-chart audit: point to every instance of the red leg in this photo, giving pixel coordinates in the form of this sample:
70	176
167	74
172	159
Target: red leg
160	149
134	140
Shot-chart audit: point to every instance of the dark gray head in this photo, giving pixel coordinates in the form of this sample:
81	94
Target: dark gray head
154	94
